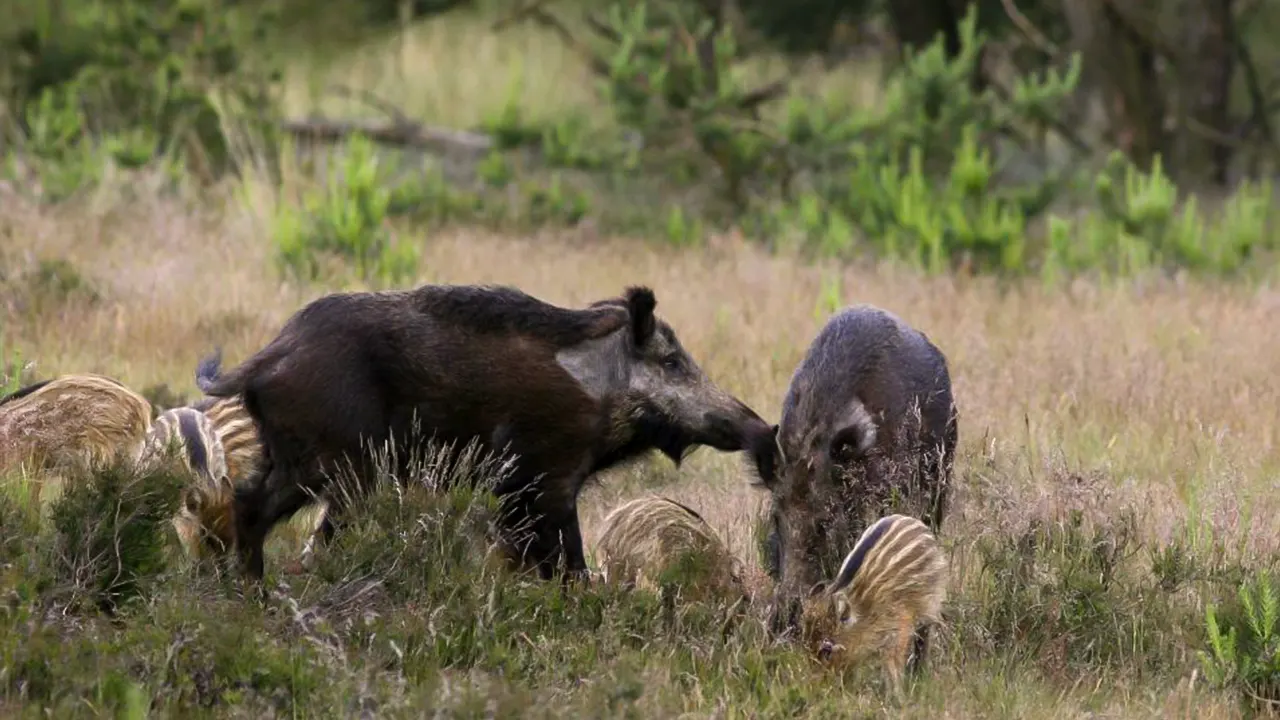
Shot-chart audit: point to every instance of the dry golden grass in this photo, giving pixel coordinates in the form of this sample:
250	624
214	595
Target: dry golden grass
1164	396
1171	388
1170	391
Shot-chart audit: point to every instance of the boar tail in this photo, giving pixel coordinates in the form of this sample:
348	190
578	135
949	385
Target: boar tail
209	370
212	382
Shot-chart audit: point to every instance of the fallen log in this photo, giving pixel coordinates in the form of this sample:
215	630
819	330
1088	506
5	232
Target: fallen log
410	135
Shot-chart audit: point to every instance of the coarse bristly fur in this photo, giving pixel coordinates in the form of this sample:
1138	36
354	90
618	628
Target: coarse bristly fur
245	459
894	580
566	392
868	428
72	420
651	538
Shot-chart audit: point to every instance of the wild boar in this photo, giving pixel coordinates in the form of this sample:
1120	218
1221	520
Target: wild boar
868	428
894	579
646	538
563	392
207	509
72	420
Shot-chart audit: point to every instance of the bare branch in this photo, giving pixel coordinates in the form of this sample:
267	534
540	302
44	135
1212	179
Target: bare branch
1214	135
396	114
600	28
1253	82
1143	28
549	21
760	96
522	12
1032	33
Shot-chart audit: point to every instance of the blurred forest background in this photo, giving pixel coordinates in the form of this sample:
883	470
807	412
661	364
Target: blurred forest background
1010	136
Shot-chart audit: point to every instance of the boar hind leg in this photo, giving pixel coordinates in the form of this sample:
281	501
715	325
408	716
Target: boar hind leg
524	535
322	532
575	561
259	510
935	478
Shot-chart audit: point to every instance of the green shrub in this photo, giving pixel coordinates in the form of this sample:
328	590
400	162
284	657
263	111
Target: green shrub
133	82
915	178
346	220
111	530
1244	642
14	373
1139	225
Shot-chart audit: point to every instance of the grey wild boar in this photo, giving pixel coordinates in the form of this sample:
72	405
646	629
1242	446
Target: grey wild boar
565	393
72	420
894	580
651	538
868	428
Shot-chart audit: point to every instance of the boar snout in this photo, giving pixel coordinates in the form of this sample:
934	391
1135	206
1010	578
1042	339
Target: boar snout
736	428
824	650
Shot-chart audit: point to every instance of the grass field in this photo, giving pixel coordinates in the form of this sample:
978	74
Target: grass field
1120	448
1158	399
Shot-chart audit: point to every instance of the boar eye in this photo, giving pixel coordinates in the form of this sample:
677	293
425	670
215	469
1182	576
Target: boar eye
671	362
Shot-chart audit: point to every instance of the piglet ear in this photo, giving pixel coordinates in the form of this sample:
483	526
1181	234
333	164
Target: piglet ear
225	486
817	588
641	303
192	500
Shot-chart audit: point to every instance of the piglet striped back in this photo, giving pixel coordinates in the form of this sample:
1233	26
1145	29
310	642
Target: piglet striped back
192	435
896	560
238	435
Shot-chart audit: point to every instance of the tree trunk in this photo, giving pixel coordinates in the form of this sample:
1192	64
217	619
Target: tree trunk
1204	74
1120	61
917	23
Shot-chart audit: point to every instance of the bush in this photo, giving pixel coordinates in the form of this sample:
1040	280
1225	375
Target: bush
1244	642
133	82
938	174
346	220
111	530
1140	226
14	373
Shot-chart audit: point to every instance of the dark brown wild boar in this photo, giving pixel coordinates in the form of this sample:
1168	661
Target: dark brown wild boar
868	429
565	392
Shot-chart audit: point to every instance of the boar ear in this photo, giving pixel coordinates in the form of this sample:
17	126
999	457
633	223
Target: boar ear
853	440
640	305
766	452
856	437
845	443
